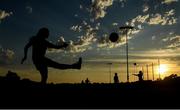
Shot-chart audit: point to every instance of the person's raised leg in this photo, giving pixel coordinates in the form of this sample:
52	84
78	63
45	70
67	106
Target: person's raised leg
78	64
53	64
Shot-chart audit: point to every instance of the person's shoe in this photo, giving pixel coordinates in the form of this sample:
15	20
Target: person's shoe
78	64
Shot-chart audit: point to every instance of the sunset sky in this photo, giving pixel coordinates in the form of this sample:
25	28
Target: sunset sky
86	26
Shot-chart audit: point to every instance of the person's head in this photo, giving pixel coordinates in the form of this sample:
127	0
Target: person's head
115	74
43	33
140	72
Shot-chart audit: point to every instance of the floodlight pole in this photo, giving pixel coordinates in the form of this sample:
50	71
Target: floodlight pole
147	67
153	70
110	64
159	68
127	56
126	28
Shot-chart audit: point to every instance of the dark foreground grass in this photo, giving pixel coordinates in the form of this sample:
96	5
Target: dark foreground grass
16	93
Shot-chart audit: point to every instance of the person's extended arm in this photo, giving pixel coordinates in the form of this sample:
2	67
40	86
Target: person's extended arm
50	45
26	51
135	74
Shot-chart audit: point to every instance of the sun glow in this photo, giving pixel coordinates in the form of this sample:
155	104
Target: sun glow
163	68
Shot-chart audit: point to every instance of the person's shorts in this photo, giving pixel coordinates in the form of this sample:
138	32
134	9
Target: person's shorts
43	63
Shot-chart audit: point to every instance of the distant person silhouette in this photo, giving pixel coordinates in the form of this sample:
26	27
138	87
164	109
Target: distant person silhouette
87	81
140	75
39	46
116	79
82	82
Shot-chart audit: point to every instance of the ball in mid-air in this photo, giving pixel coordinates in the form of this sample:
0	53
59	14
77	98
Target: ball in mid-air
114	37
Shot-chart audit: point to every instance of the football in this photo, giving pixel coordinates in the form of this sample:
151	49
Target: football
114	37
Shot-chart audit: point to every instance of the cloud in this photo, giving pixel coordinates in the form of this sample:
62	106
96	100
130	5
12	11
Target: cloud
84	41
153	37
104	42
170	13
168	1
145	8
76	28
76	15
29	9
6	55
151	19
165	39
4	14
122	2
98	8
138	20
137	23
81	45
115	24
165	19
155	19
80	6
162	20
89	38
173	42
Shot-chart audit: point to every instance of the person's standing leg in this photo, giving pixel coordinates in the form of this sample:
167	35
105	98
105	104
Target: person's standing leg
44	74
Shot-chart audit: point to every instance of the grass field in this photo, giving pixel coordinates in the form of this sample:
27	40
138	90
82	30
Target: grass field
16	93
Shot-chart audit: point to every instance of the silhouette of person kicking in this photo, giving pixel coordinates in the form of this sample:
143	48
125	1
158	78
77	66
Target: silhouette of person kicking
39	46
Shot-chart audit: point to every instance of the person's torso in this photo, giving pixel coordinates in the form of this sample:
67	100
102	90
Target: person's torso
39	47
